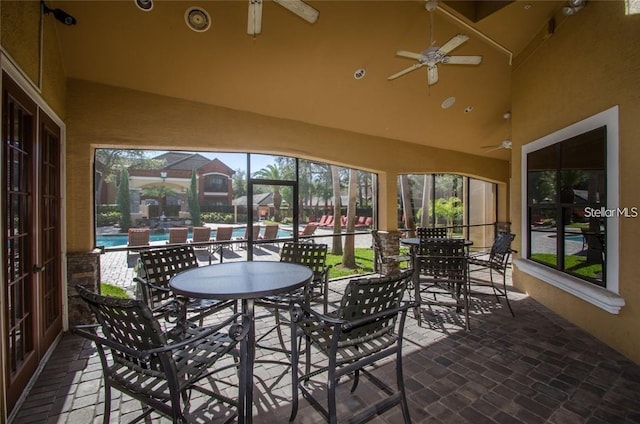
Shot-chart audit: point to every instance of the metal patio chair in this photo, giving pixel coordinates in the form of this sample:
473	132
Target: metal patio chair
158	368
495	261
441	277
313	256
366	328
157	266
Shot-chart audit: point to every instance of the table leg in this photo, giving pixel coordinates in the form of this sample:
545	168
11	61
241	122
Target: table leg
247	358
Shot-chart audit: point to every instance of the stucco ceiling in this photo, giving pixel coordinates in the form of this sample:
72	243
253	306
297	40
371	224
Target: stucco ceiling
305	72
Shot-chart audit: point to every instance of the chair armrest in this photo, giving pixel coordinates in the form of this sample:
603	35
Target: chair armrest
89	332
352	325
150	285
298	311
347	325
207	331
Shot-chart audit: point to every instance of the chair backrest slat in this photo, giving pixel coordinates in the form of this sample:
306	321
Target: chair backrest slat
129	323
431	232
501	249
368	296
442	259
159	265
312	255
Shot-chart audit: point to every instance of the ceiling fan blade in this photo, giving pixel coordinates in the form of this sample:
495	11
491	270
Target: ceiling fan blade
494	149
409	55
452	44
406	71
301	9
254	20
462	60
432	75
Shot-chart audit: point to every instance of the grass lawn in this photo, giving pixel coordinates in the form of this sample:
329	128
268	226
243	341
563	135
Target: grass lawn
573	263
107	289
364	260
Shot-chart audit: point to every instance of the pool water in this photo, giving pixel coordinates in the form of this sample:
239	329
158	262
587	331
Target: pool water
120	240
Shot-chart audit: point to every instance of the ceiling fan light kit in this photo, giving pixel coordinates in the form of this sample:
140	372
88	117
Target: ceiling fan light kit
433	55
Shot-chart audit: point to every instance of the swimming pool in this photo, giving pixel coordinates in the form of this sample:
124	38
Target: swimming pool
120	240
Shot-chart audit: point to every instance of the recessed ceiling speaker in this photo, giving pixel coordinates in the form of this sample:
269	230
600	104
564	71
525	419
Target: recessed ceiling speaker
197	19
144	5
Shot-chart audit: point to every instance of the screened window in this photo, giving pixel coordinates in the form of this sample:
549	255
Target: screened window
466	206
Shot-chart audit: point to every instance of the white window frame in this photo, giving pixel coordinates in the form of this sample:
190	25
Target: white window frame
608	297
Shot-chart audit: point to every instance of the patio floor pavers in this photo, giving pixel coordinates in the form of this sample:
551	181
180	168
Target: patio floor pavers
533	368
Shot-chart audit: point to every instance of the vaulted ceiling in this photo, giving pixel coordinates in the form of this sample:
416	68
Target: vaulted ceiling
305	72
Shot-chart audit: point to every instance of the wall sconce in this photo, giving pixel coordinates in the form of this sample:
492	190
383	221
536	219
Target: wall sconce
574	7
59	14
163	175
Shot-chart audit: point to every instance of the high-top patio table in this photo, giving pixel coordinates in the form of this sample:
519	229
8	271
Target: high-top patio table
246	281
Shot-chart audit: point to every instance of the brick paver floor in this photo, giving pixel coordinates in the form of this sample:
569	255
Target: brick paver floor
534	368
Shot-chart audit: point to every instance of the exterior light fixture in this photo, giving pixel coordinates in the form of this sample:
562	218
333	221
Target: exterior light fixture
163	175
59	14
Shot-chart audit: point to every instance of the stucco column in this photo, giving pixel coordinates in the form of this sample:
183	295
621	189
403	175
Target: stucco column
387	201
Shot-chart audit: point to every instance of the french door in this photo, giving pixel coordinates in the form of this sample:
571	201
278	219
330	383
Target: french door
32	287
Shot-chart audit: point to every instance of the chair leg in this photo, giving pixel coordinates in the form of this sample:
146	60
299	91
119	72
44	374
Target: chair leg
503	292
294	373
465	302
107	402
416	291
506	296
400	381
331	397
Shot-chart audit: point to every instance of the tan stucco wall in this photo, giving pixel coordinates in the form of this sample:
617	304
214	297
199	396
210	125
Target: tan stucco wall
101	115
590	64
20	38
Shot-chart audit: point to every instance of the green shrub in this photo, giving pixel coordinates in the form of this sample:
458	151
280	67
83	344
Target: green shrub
107	218
217	217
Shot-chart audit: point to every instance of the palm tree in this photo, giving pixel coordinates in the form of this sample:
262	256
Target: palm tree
273	172
159	192
349	255
337	208
407	208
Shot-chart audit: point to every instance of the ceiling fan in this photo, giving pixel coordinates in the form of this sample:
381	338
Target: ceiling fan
506	143
300	8
434	54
